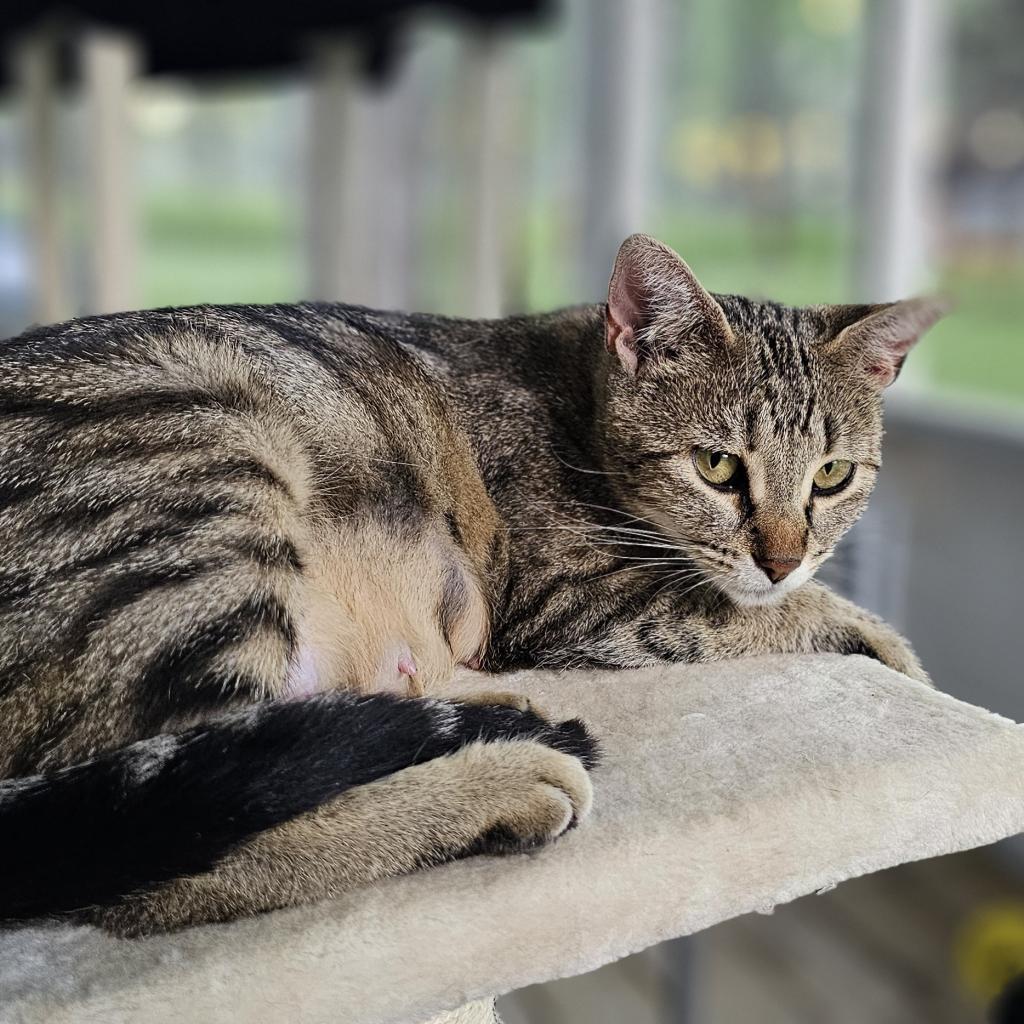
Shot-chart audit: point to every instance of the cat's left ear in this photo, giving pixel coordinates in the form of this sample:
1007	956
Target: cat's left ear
881	336
650	281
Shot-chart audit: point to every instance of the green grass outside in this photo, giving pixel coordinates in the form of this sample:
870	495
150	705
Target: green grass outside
212	247
979	350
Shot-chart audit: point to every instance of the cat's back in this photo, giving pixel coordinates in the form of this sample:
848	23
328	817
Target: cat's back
153	351
176	484
326	371
165	475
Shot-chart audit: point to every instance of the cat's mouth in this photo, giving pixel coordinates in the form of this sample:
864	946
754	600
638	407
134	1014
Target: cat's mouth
743	580
746	584
730	570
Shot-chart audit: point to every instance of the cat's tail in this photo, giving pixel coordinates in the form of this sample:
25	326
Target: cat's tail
174	804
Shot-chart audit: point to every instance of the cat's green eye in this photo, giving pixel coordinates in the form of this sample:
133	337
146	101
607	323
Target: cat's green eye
717	468
832	475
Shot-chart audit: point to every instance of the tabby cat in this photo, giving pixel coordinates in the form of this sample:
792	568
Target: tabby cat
225	530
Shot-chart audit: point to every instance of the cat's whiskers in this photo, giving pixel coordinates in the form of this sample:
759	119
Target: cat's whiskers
709	581
648	564
584	469
658	536
552	512
595	541
628	520
590	538
678	568
600	537
618	542
587	530
392	462
680	577
596	528
629	517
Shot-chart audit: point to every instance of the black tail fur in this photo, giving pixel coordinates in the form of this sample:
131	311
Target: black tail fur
174	804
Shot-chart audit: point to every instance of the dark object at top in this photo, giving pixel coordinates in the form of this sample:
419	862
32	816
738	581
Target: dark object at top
228	37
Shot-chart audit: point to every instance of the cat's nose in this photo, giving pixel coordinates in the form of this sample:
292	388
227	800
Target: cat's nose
777	569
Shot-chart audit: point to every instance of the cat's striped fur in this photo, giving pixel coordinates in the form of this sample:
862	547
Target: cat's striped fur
208	508
204	509
620	554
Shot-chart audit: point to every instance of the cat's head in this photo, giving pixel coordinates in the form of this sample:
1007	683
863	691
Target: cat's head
749	432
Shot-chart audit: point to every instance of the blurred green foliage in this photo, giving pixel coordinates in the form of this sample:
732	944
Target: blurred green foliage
205	246
752	173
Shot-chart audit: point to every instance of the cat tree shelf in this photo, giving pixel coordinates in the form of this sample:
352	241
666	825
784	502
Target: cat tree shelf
725	789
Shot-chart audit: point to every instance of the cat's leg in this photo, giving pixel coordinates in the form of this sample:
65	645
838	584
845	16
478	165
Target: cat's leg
502	698
814	619
498	797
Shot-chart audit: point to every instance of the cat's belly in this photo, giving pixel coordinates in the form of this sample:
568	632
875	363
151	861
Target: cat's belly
383	611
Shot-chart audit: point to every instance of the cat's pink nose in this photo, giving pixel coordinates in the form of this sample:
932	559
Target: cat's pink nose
777	569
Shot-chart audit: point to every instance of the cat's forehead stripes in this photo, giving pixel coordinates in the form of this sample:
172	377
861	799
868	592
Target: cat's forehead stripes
775	343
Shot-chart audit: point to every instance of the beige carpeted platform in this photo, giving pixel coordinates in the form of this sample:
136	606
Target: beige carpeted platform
725	789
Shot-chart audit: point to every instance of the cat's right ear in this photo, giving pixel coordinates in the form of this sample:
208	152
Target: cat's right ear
650	281
878	338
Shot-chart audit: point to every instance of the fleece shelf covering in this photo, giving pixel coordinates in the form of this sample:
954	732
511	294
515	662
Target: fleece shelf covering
724	789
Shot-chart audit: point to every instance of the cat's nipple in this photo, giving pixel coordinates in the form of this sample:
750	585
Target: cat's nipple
397	672
408	675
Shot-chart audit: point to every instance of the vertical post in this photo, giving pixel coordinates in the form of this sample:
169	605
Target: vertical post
35	72
330	261
900	88
391	128
488	92
620	101
109	63
361	215
893	155
679	977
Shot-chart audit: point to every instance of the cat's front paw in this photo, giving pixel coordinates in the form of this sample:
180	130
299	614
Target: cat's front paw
507	716
875	639
502	698
534	794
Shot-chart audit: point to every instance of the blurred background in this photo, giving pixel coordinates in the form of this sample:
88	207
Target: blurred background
480	158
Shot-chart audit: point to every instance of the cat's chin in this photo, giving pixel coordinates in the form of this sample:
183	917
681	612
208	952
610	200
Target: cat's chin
747	594
754	599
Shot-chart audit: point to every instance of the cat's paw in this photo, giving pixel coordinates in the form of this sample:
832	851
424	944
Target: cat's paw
502	698
489	716
531	794
875	639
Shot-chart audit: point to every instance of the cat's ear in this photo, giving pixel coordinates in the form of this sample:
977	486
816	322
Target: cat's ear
650	281
879	337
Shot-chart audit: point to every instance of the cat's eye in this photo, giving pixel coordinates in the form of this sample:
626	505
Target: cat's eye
718	468
832	476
